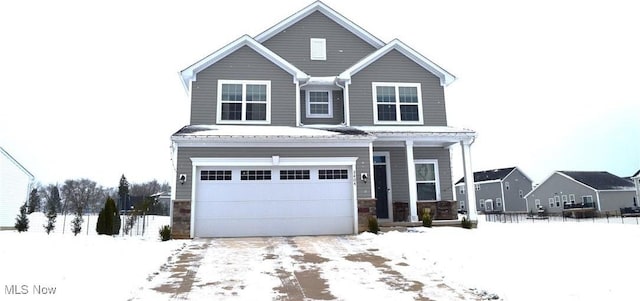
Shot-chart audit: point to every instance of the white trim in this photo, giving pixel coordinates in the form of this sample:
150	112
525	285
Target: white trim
504	202
192	217
308	113
371	183
244	102
446	78
298	117
472	212
327	11
437	176
268	161
317	49
387	164
17	164
413	191
188	75
397	102
311	142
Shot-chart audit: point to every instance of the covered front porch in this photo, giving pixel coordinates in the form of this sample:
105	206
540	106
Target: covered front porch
411	170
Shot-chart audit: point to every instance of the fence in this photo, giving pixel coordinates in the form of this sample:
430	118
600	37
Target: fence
612	217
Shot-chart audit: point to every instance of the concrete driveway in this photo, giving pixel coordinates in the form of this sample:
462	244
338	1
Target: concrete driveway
293	268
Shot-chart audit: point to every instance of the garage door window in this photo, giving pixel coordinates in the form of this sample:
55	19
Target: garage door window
255	175
215	175
333	174
299	174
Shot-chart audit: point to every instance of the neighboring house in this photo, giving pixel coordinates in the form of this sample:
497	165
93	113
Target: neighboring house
636	181
497	190
310	127
588	190
15	185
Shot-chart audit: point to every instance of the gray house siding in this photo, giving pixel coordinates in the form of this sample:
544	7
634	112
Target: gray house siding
395	67
488	191
399	174
558	185
184	165
243	64
338	109
343	47
614	200
512	199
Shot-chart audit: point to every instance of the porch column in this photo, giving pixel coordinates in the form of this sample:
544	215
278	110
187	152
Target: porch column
472	213
413	192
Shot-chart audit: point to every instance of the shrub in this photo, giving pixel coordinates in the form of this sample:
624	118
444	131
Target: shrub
466	223
108	219
22	221
165	232
426	218
373	225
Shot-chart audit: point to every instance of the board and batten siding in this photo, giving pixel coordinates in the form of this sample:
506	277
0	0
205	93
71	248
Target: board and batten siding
395	67
399	174
343	47
184	165
243	64
338	109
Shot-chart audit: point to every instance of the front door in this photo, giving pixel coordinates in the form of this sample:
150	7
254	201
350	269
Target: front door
381	187
488	205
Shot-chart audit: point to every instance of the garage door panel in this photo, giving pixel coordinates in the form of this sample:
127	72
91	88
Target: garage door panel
273	209
238	227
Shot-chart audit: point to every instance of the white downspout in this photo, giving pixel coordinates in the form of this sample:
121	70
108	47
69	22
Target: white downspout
413	190
345	100
504	203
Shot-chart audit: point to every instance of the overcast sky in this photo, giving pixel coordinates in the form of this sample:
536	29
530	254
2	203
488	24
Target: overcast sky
90	89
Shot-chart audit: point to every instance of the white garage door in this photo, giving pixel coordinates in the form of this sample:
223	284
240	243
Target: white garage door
273	201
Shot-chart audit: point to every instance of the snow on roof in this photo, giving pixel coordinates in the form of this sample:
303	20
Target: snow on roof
244	131
415	130
321	80
599	180
636	175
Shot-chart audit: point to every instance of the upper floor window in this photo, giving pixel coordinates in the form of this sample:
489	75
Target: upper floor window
246	101
397	103
318	49
319	104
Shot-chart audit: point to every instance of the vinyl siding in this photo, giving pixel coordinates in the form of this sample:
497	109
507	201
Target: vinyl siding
488	191
243	64
184	165
517	181
399	176
343	47
14	191
338	109
614	200
395	67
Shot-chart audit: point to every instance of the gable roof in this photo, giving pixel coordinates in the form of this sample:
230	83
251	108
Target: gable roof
189	74
599	180
636	175
446	78
318	6
16	163
489	175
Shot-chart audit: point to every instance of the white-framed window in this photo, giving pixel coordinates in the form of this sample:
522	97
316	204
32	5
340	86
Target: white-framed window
572	198
244	101
294	174
318	49
537	203
427	180
565	199
521	193
397	103
587	199
333	174
461	205
557	199
319	104
255	175
477	187
215	175
481	203
506	185
461	189
551	202
498	202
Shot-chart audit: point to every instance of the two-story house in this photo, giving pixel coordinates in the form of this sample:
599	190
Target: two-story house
497	190
307	128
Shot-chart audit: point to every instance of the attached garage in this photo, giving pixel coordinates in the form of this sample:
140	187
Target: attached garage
273	197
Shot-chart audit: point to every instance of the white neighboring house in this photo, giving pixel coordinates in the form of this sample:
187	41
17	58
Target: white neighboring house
636	180
15	184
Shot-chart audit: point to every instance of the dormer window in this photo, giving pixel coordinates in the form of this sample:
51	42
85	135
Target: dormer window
318	49
397	103
247	101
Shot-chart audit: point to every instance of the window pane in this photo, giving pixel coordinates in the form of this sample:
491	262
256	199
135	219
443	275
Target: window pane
232	92
386	94
319	109
256	93
409	113
379	159
256	111
387	112
425	172
231	111
319	97
426	191
408	94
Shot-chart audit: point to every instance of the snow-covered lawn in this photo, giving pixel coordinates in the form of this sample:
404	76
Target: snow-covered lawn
525	261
